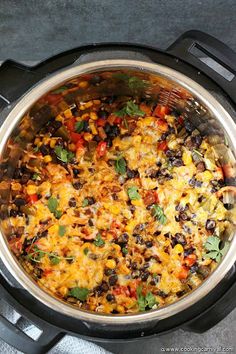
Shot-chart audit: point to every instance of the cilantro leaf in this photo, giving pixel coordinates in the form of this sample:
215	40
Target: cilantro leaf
59	90
58	214
99	242
158	213
36	177
144	302
52	204
213	246
61	230
79	126
54	259
86	251
120	166
133	82
79	293
133	193
130	109
62	154
85	202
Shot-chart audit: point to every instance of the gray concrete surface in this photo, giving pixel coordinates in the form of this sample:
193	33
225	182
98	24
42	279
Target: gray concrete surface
33	30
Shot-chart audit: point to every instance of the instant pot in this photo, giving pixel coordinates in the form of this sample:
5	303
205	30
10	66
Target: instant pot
196	63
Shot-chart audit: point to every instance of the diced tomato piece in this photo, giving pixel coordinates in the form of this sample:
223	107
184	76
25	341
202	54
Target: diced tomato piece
162	146
161	111
183	273
162	125
70	124
53	99
180	120
121	290
47	272
75	137
145	108
190	260
33	198
151	197
101	148
133	288
101	122
118	120
220	174
16	245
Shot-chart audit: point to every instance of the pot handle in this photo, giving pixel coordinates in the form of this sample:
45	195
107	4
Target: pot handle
210	56
16	337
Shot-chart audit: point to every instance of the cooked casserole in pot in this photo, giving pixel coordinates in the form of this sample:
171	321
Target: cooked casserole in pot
118	204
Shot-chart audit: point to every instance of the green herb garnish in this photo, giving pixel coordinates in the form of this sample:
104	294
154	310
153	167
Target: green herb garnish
133	82
158	213
52	206
61	230
99	242
130	109
86	251
120	166
63	155
60	90
36	177
55	259
213	246
133	193
79	293
36	149
36	255
85	203
124	250
147	301
79	126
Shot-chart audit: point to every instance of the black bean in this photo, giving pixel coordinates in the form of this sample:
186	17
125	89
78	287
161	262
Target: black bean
210	224
180	207
104	286
77	185
149	244
134	265
113	280
102	114
194	268
188	126
177	162
132	208
109	141
170	153
135	274
139	240
124	238
13	213
180	238
110	99
90	222
107	128
76	172
144	275
97	138
162	294
114	131
25	177
96	79
90	200
109	271
114	196
183	216
132	173
110	297
19	202
154	281
180	293
192	182
86	127
17	173
72	202
157	233
188	251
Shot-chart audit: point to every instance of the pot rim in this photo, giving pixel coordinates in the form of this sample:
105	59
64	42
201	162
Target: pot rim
17	113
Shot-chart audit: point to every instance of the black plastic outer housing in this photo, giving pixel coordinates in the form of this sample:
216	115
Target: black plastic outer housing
15	80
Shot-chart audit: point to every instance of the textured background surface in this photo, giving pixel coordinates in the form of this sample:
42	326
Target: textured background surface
32	30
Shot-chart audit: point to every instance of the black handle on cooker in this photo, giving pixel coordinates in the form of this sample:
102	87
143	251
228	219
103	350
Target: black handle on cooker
207	53
15	337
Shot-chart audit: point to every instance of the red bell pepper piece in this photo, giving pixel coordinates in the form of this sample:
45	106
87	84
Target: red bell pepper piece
33	198
162	125
190	260
121	290
101	148
16	245
101	122
161	111
70	124
183	273
181	120
162	146
75	137
53	99
118	120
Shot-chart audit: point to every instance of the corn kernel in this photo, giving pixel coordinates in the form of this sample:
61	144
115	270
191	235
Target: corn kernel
46	140
88	104
178	249
96	101
111	263
137	202
59	118
156	268
31	189
85	116
53	143
206	176
93	128
120	308
47	158
37	141
187	158
68	113
63	290
83	84
88	136
93	116
72	147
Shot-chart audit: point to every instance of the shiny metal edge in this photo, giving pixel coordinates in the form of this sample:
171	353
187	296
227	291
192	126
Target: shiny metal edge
16	114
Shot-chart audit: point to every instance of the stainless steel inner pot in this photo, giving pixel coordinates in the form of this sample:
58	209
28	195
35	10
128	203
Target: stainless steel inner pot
200	106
